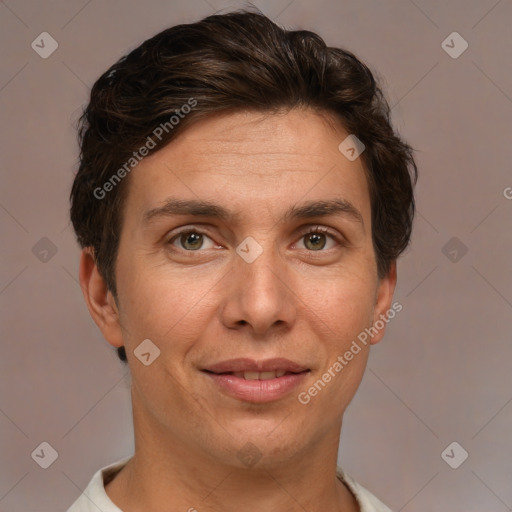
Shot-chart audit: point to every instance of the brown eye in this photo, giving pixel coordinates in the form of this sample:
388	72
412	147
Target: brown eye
318	239
191	241
315	241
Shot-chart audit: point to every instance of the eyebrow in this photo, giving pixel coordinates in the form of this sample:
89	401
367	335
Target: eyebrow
200	208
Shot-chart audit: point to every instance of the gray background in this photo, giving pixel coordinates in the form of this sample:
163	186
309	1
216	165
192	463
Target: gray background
441	374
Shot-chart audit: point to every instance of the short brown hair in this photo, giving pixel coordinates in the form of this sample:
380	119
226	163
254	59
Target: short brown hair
232	62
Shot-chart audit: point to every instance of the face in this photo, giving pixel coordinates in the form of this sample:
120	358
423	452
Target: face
271	268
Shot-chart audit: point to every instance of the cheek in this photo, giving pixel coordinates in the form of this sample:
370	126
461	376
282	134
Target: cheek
345	311
161	305
343	300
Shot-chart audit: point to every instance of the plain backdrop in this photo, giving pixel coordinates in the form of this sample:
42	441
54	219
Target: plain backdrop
442	373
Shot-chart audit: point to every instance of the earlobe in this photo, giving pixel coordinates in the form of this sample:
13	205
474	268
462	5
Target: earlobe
99	299
385	291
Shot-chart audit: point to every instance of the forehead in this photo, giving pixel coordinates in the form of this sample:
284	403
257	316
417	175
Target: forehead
249	161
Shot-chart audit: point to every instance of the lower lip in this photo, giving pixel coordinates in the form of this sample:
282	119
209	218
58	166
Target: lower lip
257	391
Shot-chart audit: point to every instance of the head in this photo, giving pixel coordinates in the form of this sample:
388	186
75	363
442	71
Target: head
246	118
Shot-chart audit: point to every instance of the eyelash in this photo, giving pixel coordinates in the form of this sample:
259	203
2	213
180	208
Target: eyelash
303	233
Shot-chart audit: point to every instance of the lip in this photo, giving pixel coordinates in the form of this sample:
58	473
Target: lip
251	365
256	391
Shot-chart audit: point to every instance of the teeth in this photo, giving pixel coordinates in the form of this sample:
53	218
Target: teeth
251	375
259	375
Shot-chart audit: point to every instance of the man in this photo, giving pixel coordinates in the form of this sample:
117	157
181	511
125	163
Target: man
241	202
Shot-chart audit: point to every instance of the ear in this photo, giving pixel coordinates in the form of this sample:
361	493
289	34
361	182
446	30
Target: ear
100	301
384	296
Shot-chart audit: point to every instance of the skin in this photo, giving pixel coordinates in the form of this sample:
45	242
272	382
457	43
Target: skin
296	300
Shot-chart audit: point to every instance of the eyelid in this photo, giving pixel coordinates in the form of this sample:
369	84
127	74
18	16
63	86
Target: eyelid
316	228
187	229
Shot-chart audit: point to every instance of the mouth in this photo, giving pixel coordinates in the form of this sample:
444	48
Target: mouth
248	375
278	366
257	382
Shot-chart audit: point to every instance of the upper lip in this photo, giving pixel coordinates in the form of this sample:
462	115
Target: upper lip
251	365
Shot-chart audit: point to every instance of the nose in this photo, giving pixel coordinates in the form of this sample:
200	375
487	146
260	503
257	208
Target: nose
259	298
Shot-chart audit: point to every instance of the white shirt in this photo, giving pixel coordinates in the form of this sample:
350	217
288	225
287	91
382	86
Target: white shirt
95	499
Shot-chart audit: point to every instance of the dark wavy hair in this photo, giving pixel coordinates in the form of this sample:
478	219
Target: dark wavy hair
232	62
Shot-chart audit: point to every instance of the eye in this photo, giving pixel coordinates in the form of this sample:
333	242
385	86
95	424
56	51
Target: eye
191	240
317	239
